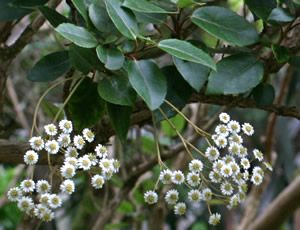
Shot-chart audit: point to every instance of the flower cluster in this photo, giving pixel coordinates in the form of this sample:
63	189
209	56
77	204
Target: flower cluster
222	172
58	140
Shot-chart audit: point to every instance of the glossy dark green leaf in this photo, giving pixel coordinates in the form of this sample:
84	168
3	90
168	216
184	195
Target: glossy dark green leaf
117	90
10	13
236	74
82	9
51	110
281	53
53	17
111	57
195	74
80	58
120	119
178	121
148	81
150	18
264	94
29	3
79	35
123	18
85	106
280	15
186	51
185	3
295	62
225	25
50	67
145	7
261	9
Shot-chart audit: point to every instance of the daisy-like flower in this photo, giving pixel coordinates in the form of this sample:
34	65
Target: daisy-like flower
235	168
54	201
25	203
107	175
52	147
39	210
243	187
88	135
66	126
71	152
215	177
234	149
239	178
258	170
226	188
116	165
226	170
14	194
50	129
177	177
68	170
84	163
234	126
31	157
27	185
193	179
42	186
79	142
234	201
248	129
246	175
172	196
221	142
196	166
214	137
214	219
72	160
180	208
212	153
224	117
222	130
268	166
194	195
101	151
97	181
64	140
217	165
242	196
165	176
245	163
256	179
258	154
150	197
47	216
206	194
93	158
44	199
228	159
235	138
37	143
243	151
106	164
67	186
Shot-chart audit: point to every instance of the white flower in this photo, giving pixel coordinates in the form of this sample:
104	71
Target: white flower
245	163
27	185
39	210
97	181
79	142
107	174
150	197
217	165
50	129
234	149
206	194
221	141
93	158
31	157
268	166
226	188
212	153
193	179
256	179
248	129
214	219
44	199
47	215
224	117
101	151
246	175
116	165
64	140
42	186
215	177
84	163
68	170
52	147
71	160
258	170
235	138
54	201
226	170
67	186
228	159
106	165
71	152
258	154
222	130
195	166
14	194
180	208
235	168
88	135
66	126
243	187
194	195
25	203
37	143
165	176
243	151
172	196
177	177
234	127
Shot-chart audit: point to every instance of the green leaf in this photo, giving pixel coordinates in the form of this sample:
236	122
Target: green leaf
145	7
150	18
195	74
9	13
178	121
123	18
186	51
80	6
85	106
50	67
117	90
281	53
119	116
261	9
200	225
53	16
29	3
79	35
264	94
295	62
148	81
236	74
111	57
79	58
225	25
51	110
116	226
280	15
